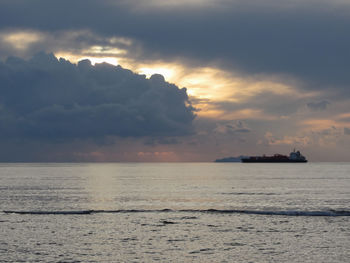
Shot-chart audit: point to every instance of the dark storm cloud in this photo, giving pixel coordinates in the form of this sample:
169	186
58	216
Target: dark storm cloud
47	98
306	39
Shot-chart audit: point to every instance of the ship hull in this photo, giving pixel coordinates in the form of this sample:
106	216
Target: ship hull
273	161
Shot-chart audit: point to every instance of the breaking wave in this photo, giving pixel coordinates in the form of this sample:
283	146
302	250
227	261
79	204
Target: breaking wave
330	213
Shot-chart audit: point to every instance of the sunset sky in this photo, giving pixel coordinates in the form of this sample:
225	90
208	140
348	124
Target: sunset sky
158	80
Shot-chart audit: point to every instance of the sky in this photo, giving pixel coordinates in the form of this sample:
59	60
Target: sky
167	81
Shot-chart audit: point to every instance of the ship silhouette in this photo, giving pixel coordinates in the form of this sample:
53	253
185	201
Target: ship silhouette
294	157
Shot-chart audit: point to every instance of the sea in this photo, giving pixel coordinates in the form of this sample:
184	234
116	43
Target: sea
174	212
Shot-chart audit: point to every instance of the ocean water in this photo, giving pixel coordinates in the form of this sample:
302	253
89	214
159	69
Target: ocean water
178	212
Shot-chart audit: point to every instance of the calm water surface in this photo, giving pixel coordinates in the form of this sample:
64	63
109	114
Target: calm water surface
181	212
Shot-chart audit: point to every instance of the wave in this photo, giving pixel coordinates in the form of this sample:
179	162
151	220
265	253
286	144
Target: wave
330	213
284	212
247	193
82	212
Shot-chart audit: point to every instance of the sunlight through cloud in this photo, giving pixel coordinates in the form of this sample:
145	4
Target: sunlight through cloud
21	40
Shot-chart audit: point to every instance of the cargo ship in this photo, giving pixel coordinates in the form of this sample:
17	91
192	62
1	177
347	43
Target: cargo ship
294	157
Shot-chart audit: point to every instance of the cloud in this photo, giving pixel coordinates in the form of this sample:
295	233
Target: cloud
346	131
307	40
156	141
286	140
232	127
69	43
317	106
49	99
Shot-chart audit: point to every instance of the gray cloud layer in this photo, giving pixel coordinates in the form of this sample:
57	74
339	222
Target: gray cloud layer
306	39
47	98
322	105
